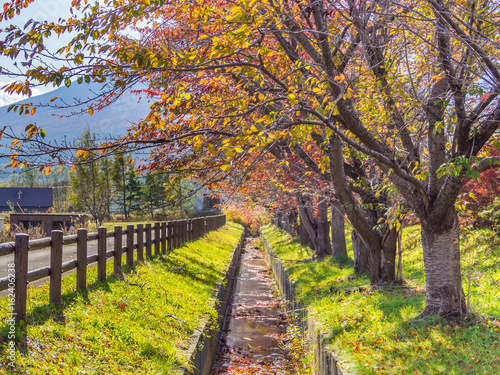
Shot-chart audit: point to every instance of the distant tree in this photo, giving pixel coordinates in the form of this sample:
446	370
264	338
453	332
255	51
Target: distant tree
126	185
61	187
134	192
91	182
153	192
180	193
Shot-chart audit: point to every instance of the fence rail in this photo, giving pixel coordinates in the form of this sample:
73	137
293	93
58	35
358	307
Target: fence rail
162	236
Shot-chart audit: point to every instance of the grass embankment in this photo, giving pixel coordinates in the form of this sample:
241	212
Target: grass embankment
141	325
374	332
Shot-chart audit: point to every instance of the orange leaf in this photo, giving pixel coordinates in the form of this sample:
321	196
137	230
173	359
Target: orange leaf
437	78
91	111
486	96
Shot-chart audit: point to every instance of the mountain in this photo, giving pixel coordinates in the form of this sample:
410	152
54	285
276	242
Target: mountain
113	120
110	122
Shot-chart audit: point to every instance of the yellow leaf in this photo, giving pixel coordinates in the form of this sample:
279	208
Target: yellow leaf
339	78
91	111
81	153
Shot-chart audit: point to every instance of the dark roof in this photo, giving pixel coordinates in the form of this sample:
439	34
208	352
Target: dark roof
30	197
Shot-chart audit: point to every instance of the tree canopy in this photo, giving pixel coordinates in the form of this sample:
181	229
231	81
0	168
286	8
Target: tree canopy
384	106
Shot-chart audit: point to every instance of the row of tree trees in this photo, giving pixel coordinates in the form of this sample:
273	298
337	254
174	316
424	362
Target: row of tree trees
378	108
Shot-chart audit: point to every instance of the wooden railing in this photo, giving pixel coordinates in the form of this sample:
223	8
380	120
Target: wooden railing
162	237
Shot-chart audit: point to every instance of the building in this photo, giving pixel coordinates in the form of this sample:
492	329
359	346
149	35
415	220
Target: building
27	200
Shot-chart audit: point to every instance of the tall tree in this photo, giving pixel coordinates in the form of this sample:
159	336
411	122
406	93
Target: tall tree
126	185
153	192
90	181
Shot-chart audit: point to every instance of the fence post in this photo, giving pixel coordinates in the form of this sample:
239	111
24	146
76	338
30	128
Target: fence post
163	237
130	245
170	243
148	240
102	246
81	259
182	234
174	234
194	234
157	238
118	252
177	233
198	228
140	242
21	275
56	248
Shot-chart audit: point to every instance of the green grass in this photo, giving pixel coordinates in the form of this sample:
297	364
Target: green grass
374	332
141	325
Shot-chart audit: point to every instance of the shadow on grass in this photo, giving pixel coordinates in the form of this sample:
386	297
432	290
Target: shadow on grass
189	265
46	311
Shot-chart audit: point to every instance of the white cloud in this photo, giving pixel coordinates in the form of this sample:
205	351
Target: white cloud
6	98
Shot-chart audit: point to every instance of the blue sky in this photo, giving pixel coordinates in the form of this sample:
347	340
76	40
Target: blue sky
40	10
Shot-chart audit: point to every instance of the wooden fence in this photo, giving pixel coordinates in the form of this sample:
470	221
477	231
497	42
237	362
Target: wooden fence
160	236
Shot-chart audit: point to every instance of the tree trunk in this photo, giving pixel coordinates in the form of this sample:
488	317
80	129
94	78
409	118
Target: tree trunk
317	227
323	244
286	223
389	252
360	253
399	275
443	279
305	240
338	230
379	245
292	222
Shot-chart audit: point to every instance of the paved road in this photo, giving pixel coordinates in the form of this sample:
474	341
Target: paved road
41	258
